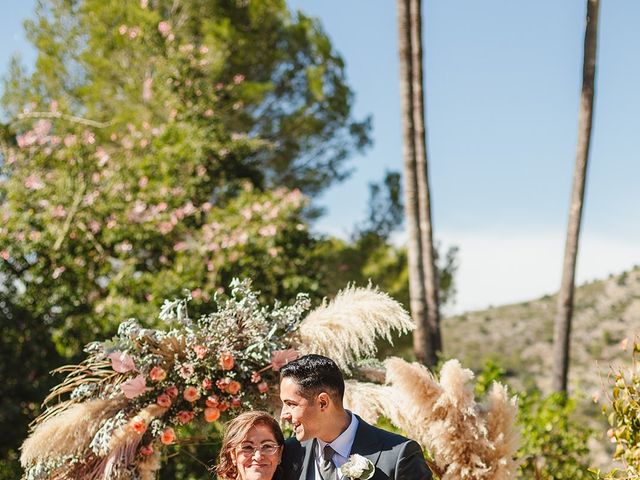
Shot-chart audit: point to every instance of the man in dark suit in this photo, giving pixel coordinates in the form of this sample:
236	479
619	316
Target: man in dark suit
326	435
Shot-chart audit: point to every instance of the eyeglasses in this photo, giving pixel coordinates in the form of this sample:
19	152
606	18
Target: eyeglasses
248	450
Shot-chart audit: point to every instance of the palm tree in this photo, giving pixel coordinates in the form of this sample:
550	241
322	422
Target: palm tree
422	275
562	334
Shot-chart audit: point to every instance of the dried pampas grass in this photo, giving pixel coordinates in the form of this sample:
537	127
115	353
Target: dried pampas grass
468	441
68	433
368	400
346	328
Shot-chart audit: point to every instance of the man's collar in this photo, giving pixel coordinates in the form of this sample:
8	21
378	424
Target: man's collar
342	444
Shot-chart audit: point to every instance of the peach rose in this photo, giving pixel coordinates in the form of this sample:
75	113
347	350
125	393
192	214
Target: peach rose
138	425
157	374
185	416
234	387
222	406
211	414
164	400
226	360
212	401
168	436
191	394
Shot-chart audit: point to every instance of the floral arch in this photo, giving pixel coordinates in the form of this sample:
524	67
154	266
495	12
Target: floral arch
113	414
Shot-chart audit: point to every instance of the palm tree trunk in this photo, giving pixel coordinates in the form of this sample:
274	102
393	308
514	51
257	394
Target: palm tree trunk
424	196
417	297
423	294
562	334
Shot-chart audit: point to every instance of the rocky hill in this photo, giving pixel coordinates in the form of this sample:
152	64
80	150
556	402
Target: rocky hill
519	338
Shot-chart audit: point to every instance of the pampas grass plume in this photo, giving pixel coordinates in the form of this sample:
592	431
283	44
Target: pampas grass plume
68	433
347	328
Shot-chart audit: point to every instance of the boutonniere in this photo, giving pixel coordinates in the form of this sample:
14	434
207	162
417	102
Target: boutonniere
358	468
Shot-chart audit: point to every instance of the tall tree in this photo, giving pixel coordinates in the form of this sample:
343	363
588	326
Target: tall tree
422	273
562	334
430	344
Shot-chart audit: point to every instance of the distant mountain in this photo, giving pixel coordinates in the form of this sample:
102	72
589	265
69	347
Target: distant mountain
519	338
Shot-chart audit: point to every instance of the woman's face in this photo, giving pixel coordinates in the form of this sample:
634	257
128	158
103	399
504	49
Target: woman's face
258	454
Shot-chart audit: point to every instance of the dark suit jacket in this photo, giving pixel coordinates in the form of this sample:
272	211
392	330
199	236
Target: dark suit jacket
394	456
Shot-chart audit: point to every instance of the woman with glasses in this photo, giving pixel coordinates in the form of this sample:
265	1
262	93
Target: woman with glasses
251	448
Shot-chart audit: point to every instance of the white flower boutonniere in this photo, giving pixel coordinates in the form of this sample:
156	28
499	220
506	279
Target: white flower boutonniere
358	468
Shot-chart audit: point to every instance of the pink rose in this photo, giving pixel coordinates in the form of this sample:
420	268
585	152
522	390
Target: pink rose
185	416
164	400
172	391
263	387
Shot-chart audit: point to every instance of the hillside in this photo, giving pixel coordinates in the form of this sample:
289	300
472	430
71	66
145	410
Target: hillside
519	338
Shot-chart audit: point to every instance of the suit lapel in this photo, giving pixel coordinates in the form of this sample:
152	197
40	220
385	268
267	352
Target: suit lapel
307	462
367	442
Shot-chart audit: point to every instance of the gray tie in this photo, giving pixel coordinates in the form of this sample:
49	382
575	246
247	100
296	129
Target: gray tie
326	466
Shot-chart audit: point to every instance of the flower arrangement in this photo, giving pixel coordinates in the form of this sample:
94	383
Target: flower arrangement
133	393
357	467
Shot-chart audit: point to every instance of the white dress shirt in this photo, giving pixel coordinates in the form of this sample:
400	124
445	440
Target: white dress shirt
341	445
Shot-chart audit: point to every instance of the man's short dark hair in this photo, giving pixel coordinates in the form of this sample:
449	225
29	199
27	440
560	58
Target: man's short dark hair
314	374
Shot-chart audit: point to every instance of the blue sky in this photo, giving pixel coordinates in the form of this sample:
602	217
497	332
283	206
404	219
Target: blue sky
502	83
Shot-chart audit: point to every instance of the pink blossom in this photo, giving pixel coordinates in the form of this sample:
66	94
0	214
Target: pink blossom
165	227
263	387
268	230
58	212
164	28
94	226
134	32
207	384
88	137
102	156
134	387
33	182
121	362
69	140
180	246
42	128
204	49
208	113
238	79
53	106
279	358
206	206
201	171
255	377
122	29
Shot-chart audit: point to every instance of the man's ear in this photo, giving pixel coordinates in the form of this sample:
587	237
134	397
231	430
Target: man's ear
324	400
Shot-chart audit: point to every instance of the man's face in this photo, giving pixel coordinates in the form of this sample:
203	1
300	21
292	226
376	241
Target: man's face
303	414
